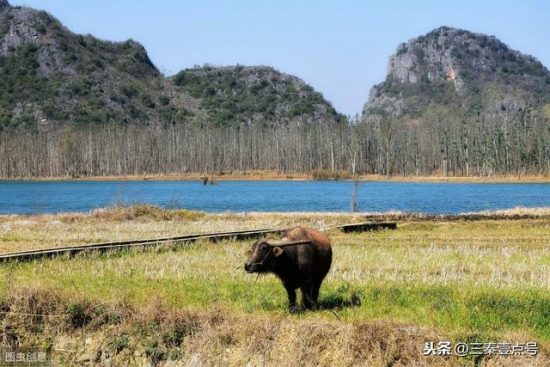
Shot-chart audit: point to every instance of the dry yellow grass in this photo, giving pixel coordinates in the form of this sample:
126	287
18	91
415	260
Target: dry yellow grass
120	335
482	277
22	232
274	175
19	233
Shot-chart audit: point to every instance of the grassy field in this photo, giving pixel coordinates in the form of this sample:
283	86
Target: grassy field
473	278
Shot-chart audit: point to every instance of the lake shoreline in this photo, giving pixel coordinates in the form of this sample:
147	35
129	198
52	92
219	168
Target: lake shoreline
274	176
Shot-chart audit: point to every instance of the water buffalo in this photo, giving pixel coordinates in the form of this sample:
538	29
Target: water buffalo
301	259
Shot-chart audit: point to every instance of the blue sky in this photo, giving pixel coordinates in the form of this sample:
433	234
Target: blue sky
340	47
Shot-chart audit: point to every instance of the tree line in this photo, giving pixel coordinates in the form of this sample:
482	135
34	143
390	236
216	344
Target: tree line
469	145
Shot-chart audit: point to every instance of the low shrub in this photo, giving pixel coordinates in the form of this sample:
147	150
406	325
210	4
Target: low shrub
330	175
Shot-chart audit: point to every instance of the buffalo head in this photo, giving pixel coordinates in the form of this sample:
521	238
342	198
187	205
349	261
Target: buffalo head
262	257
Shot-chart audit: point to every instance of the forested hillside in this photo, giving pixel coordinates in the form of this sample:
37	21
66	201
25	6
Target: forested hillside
52	78
454	103
251	94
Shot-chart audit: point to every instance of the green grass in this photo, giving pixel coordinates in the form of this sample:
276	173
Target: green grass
463	284
463	280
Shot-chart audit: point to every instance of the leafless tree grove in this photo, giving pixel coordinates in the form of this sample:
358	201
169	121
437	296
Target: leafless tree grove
469	146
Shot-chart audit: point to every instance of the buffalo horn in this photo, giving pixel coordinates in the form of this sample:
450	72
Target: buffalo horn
287	243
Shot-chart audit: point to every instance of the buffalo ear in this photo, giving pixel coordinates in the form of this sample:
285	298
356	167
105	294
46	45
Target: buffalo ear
277	251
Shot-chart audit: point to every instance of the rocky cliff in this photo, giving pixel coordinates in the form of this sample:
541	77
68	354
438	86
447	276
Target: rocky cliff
450	70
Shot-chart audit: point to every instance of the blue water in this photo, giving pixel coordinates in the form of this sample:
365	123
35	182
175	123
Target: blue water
245	196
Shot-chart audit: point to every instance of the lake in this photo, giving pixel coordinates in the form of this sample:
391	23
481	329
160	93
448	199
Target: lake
29	197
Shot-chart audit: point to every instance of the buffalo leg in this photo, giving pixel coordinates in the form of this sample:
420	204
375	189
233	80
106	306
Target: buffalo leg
307	296
291	298
310	295
315	294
